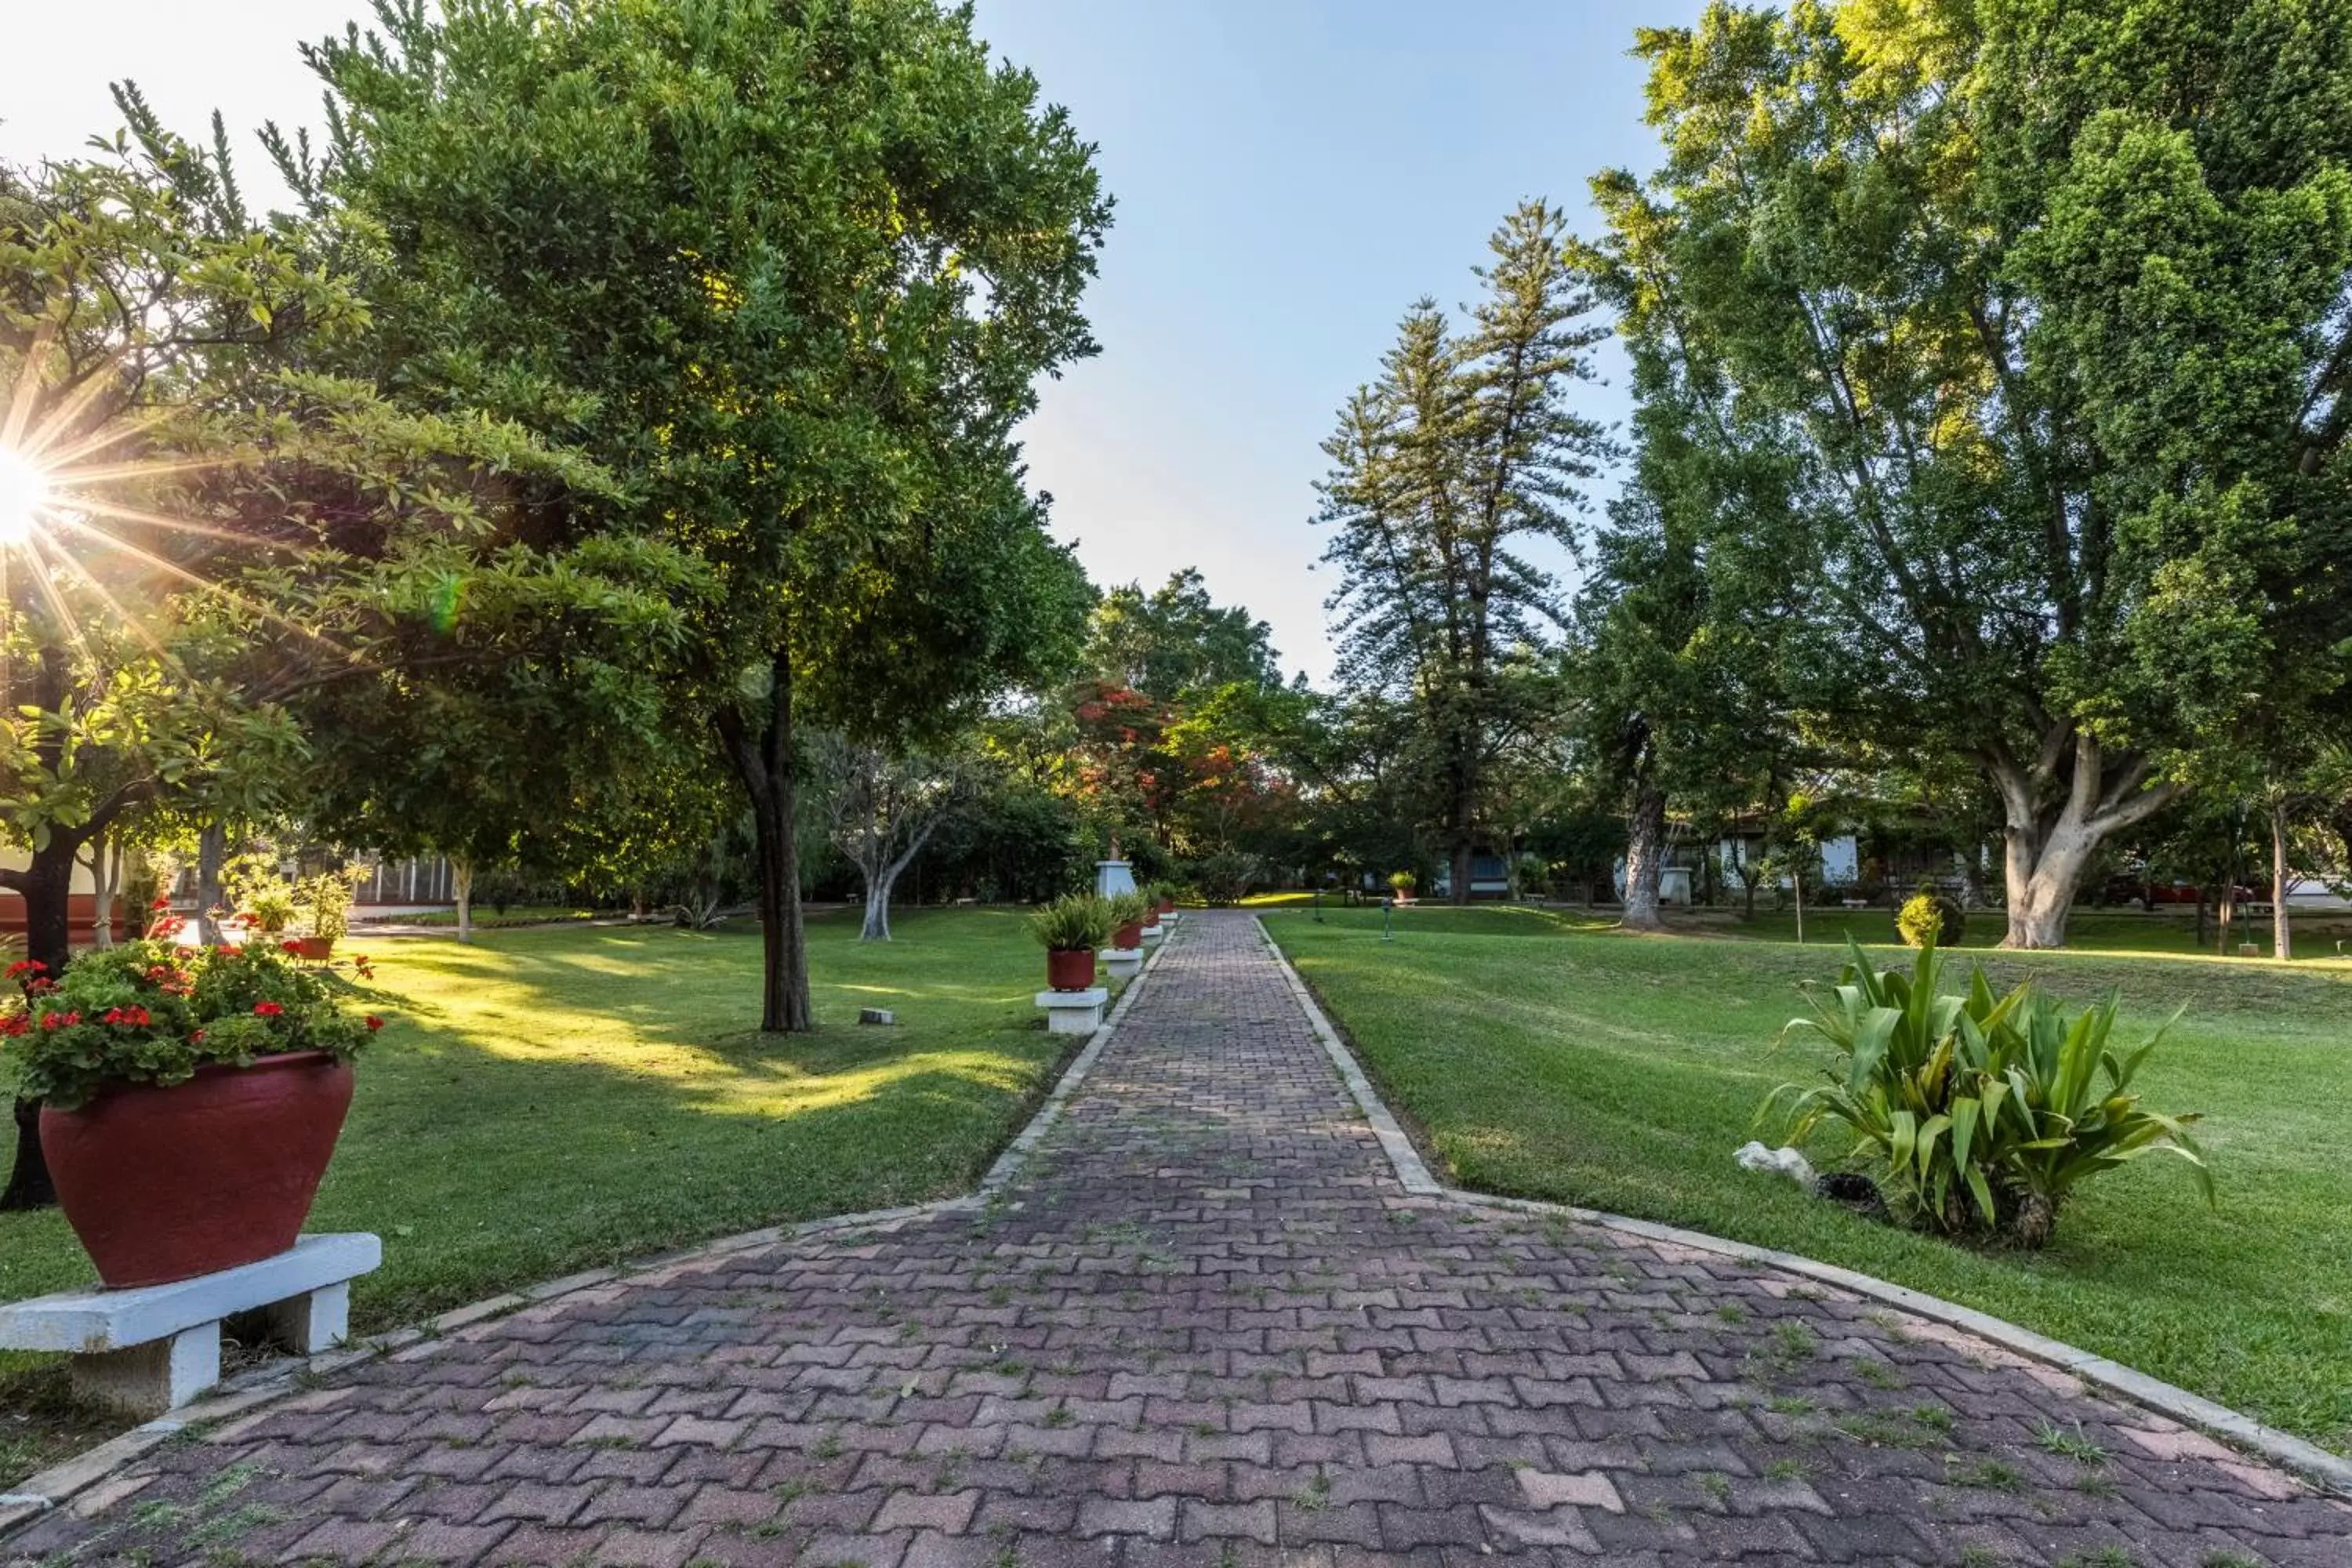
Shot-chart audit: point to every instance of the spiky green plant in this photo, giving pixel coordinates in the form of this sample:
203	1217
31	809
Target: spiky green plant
1974	1112
1077	923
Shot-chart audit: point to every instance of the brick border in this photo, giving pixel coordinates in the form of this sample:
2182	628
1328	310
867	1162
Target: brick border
59	1484
2329	1472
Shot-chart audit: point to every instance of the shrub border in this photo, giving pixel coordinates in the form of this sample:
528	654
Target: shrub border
2330	1472
85	1479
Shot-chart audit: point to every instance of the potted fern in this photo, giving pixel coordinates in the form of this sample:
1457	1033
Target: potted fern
1403	883
1130	913
1070	930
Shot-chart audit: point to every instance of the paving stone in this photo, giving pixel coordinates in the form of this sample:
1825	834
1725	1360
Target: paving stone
1204	1325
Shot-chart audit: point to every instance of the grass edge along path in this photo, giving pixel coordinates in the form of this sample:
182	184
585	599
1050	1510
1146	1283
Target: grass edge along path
1619	1073
549	1101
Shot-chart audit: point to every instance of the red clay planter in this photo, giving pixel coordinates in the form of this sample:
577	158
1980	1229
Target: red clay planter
1070	969
317	949
1129	937
165	1183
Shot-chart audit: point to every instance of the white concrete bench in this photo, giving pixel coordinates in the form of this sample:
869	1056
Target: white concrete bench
1074	1012
153	1349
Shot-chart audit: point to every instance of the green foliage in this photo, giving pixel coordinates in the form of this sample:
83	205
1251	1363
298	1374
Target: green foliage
1226	877
1461	459
152	1012
1999	359
1077	923
267	907
1977	1113
1403	881
1128	908
791	276
1931	919
325	900
1175	641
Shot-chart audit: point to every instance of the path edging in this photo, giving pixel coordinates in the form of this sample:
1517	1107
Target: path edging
240	1395
2330	1472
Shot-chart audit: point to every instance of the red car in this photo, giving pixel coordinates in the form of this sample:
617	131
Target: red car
2148	892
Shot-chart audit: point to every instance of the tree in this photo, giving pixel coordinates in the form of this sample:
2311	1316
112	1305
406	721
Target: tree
1444	472
789	272
200	526
1175	641
883	810
2025	328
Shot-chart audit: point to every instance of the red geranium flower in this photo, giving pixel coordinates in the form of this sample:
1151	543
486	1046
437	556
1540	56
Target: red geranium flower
295	948
26	966
161	904
373	1022
266	1009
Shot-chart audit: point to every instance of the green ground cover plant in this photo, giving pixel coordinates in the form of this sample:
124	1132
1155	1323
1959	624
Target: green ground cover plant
1542	1056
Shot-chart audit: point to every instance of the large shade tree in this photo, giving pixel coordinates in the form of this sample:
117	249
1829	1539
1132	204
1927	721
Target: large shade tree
789	270
2036	315
201	527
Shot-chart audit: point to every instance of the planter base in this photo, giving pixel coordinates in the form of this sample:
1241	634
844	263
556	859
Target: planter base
1125	962
1074	1012
153	1349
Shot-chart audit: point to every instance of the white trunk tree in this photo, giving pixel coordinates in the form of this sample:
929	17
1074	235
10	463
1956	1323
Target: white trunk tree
884	809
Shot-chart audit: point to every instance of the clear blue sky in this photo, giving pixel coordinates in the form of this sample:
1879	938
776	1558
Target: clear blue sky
1290	176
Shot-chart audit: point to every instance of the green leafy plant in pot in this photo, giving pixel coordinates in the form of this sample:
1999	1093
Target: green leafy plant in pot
1070	930
1127	912
1403	883
325	903
192	1097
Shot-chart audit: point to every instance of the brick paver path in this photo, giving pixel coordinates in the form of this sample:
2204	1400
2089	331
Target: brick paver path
1208	1327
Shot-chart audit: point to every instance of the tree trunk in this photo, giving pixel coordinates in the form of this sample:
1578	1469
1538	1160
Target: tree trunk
105	873
2047	842
1645	854
765	762
212	851
1797	885
2282	936
877	907
47	884
461	876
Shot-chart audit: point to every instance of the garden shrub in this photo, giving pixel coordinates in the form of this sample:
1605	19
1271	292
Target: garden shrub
1931	919
152	1012
1977	1114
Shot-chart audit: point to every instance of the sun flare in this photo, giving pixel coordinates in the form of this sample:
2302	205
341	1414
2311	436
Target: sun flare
24	491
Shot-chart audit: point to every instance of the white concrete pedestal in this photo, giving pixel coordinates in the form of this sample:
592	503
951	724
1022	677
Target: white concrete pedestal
156	1348
1126	962
1074	1012
1153	933
1113	878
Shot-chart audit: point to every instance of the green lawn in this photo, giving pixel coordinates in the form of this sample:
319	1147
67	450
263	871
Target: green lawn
547	1101
1544	1056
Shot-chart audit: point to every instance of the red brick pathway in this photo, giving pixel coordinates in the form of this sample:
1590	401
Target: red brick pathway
1206	1326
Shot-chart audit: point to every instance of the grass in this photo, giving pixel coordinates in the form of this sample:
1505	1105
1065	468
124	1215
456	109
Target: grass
486	917
547	1102
1543	1055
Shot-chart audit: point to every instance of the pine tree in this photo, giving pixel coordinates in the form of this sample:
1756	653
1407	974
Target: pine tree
1465	453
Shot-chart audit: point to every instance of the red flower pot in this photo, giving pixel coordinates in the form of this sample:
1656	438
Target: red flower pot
168	1182
1071	969
317	949
1129	937
1152	917
1167	906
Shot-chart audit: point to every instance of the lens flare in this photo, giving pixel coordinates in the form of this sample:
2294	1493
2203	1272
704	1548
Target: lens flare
24	491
